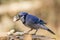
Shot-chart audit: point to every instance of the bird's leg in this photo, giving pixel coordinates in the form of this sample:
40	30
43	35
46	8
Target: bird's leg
30	30
26	32
35	32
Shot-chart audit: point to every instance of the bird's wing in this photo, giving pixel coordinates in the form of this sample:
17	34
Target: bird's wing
34	20
31	19
42	22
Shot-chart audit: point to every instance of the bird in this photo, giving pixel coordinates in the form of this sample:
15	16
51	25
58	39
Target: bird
32	22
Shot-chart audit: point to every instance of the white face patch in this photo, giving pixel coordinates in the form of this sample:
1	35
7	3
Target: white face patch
22	18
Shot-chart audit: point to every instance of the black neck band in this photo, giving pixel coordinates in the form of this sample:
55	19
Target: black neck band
25	18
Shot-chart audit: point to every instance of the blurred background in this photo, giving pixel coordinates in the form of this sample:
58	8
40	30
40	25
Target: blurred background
48	10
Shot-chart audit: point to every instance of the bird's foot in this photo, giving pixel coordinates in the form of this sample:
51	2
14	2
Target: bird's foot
33	34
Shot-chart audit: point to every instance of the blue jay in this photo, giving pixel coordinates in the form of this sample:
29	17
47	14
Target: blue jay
32	21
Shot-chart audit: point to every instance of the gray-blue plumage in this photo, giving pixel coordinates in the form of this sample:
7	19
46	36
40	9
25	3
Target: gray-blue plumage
32	21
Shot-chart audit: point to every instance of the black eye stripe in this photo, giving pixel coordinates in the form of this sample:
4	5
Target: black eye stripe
20	15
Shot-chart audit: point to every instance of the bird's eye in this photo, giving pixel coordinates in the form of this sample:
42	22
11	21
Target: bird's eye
20	15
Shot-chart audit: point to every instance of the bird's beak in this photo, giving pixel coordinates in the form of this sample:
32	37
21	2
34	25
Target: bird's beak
15	19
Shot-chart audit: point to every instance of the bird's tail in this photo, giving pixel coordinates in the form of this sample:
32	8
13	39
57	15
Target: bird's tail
44	27
50	31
